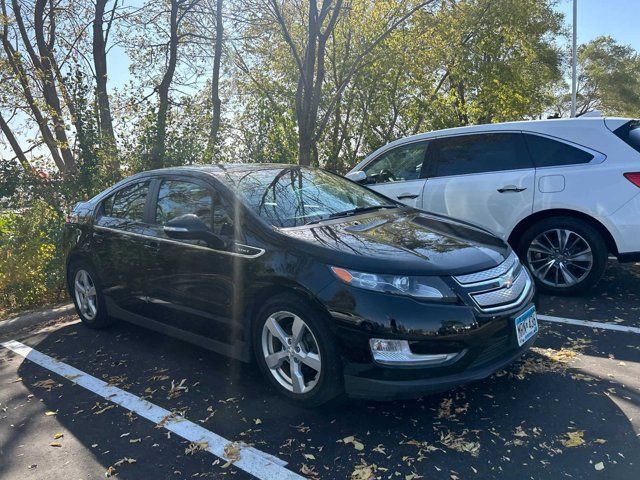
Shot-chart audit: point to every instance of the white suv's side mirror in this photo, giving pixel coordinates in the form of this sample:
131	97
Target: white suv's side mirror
358	176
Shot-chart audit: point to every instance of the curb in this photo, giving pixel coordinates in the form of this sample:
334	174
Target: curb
30	319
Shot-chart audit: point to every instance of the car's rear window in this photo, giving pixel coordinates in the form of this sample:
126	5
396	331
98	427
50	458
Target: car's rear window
629	133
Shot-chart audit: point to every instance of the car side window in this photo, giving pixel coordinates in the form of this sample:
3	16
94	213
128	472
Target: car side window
480	153
178	197
547	152
127	203
398	165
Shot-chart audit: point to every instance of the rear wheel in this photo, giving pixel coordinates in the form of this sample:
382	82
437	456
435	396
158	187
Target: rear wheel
296	352
86	293
565	255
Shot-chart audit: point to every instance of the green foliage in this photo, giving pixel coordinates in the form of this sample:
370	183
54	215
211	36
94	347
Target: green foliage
31	261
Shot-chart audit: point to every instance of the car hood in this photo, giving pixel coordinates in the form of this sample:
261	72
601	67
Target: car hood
401	241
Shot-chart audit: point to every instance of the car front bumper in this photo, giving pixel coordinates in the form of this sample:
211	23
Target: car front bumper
486	343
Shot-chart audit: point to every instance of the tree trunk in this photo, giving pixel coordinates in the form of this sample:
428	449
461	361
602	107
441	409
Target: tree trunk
100	64
49	90
215	83
11	138
159	147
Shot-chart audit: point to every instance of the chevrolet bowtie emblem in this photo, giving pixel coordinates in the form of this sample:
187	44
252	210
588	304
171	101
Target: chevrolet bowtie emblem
507	281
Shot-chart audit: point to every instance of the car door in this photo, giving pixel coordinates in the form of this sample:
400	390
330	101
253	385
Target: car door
122	252
399	173
194	289
487	179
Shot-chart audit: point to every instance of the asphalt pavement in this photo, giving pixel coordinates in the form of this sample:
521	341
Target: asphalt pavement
90	404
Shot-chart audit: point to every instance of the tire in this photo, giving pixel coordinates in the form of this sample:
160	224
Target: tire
576	265
316	339
96	317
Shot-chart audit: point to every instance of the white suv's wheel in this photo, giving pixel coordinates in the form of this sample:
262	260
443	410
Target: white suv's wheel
565	255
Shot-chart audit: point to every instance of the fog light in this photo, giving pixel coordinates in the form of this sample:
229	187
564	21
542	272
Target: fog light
397	352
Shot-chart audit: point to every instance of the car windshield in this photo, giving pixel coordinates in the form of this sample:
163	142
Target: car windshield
294	196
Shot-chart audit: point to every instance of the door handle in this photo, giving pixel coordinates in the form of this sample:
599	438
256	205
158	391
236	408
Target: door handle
511	188
407	196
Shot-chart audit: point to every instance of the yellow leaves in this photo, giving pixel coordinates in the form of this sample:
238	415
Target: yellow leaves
231	453
309	472
177	389
50	414
111	471
47	384
459	443
197	447
363	471
352	440
57	436
573	439
55	444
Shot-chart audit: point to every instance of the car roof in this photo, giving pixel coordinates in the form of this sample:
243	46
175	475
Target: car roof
572	129
219	168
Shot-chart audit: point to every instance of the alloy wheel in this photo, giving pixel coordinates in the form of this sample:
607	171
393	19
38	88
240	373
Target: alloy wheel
291	352
86	296
560	258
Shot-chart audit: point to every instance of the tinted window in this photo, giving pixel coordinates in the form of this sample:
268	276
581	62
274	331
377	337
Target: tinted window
489	152
398	165
630	134
550	153
293	196
177	198
128	203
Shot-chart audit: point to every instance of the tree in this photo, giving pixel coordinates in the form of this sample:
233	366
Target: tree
306	27
608	80
99	53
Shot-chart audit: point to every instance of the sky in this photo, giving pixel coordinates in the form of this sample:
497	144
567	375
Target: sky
617	18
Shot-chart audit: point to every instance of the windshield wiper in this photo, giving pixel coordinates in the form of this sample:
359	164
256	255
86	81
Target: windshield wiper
351	213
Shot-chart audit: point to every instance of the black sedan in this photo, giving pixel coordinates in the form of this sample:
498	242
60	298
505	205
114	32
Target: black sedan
329	286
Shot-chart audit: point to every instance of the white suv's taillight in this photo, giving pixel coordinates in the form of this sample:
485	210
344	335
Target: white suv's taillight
633	177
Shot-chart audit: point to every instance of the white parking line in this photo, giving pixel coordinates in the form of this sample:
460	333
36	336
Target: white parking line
253	461
587	323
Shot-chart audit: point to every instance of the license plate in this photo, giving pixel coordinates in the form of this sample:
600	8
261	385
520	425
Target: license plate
526	326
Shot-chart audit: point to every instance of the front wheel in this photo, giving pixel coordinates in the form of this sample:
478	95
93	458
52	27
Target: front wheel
86	293
565	255
296	352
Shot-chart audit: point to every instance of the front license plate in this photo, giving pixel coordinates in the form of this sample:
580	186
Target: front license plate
526	326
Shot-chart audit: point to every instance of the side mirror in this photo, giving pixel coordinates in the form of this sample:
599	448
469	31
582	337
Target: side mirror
358	176
190	227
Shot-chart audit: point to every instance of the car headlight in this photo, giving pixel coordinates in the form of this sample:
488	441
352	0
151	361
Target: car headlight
425	288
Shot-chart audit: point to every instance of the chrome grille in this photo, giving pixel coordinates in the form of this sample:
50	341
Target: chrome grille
490	274
504	295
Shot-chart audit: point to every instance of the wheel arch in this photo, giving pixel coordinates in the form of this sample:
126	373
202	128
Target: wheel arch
527	222
269	289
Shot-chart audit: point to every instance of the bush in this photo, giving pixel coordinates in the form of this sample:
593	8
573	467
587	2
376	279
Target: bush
31	258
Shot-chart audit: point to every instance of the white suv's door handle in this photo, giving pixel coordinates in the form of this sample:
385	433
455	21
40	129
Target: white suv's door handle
511	188
407	196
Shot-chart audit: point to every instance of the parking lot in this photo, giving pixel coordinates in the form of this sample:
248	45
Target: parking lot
569	409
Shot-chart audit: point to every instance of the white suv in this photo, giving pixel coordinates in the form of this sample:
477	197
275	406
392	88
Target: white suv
564	193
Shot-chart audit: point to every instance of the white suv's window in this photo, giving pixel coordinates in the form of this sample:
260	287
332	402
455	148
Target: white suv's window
547	152
479	153
398	165
630	134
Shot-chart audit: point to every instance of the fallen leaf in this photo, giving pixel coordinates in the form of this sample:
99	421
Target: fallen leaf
48	414
55	444
599	466
309	456
574	439
56	436
196	447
